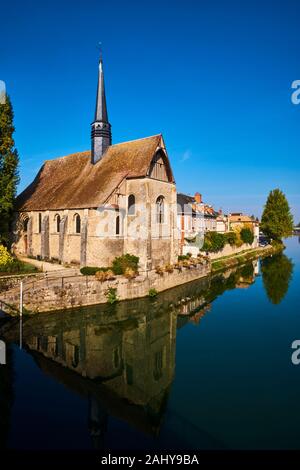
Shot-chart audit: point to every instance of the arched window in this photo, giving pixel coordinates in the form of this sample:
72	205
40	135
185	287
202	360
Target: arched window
77	223
40	223
118	225
57	223
160	211
25	224
131	204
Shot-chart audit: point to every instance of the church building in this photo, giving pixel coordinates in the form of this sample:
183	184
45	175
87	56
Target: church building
89	207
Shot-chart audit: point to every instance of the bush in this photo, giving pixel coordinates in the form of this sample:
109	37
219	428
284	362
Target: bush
231	238
184	257
130	273
104	275
247	235
92	270
111	295
5	258
213	242
120	263
159	270
152	292
169	268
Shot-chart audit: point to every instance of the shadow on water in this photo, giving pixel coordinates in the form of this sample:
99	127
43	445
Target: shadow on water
121	358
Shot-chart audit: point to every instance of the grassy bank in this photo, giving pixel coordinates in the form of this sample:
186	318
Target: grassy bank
243	257
17	267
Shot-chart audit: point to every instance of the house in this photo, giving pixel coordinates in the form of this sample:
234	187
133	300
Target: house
89	207
194	218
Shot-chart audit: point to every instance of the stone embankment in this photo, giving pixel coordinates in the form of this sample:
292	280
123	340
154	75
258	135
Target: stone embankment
55	293
66	289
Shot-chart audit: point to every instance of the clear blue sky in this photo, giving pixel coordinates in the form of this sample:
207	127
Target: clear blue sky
213	76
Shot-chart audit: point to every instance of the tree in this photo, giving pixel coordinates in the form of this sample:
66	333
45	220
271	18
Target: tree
277	220
9	161
276	273
247	235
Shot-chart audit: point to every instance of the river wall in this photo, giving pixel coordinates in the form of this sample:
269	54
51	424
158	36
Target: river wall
67	292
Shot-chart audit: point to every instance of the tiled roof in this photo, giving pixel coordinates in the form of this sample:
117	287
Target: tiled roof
74	182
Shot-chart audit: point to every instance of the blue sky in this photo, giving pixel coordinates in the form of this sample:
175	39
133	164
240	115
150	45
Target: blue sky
214	77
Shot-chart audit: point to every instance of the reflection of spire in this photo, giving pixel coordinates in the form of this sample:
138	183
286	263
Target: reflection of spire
97	423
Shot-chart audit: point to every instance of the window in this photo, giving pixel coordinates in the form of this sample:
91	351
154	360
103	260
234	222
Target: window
57	223
158	365
160	210
118	225
25	224
77	223
131	204
40	223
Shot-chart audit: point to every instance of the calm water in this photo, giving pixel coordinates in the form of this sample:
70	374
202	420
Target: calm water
203	366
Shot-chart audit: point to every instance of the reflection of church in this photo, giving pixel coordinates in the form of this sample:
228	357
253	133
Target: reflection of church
115	362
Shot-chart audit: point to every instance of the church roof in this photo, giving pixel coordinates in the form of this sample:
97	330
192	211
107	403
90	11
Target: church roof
73	182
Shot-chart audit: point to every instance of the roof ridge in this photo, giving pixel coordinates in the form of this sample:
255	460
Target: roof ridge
136	140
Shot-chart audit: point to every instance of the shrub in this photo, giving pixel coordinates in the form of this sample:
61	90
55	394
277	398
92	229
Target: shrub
120	263
159	270
152	292
213	242
247	235
111	295
92	270
231	238
130	273
5	257
169	268
104	275
184	257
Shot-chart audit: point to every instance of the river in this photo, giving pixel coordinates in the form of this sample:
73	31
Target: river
202	366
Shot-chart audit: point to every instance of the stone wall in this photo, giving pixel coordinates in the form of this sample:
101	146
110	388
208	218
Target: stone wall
232	250
59	293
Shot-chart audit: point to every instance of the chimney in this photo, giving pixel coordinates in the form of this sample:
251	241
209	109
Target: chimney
198	198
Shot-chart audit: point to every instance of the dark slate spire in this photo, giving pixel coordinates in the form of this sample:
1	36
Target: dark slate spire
101	129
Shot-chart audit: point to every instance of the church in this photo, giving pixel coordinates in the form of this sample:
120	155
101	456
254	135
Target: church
90	207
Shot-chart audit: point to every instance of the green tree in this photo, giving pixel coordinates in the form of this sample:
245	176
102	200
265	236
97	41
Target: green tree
9	161
247	235
277	220
276	273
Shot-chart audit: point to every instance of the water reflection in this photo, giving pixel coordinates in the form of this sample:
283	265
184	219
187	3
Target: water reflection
276	273
6	398
121	358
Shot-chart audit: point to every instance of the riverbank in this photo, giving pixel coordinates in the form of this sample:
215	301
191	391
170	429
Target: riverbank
227	262
65	292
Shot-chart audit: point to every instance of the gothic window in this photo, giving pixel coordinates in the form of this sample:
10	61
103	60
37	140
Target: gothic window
57	223
131	204
118	225
77	223
39	222
160	210
25	224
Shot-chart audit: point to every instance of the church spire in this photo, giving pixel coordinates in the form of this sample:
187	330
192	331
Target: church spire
101	129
